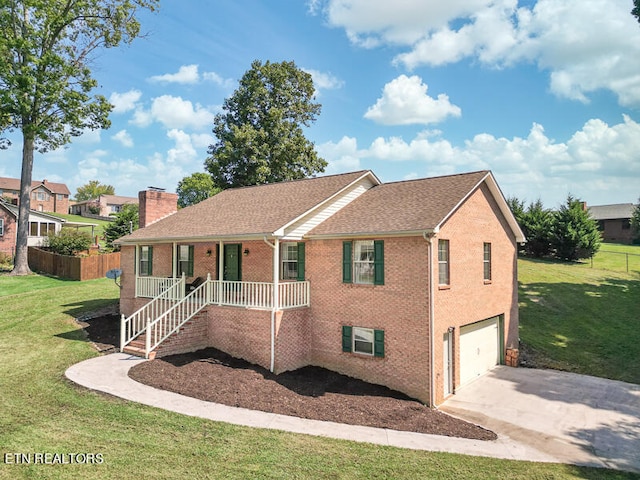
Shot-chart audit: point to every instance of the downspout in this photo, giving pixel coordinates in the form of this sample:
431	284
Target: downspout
428	236
275	300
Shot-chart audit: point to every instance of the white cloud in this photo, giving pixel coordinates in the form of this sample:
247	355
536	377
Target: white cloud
174	112
597	163
586	45
185	74
324	80
405	101
218	79
124	138
183	152
124	102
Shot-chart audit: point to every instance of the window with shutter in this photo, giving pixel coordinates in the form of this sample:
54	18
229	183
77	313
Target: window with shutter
363	262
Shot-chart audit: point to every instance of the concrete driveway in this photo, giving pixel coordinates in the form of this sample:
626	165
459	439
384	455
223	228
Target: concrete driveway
575	418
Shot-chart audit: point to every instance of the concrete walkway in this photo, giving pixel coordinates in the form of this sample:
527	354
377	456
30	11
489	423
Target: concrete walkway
575	418
108	374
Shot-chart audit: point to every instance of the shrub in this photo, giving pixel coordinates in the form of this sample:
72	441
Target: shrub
575	233
69	241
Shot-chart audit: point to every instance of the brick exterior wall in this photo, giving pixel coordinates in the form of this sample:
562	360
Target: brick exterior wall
468	298
400	307
154	205
8	238
51	202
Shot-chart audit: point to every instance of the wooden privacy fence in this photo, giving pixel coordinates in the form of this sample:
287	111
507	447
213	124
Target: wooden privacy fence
73	268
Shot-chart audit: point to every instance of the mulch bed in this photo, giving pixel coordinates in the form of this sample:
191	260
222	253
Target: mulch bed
309	392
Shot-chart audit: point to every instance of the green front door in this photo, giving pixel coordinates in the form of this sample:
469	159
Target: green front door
232	264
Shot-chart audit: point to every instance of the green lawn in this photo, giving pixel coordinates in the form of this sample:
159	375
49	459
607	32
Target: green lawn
581	319
617	257
99	230
42	412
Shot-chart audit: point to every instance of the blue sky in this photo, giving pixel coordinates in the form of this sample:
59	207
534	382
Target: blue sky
546	94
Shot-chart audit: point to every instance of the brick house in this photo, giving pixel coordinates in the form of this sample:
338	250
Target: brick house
40	225
614	221
409	284
45	196
104	205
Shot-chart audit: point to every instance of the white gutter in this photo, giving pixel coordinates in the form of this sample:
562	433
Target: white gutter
428	236
275	300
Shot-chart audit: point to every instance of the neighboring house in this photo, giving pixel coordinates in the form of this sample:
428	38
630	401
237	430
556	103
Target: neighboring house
410	284
45	196
614	221
103	206
40	225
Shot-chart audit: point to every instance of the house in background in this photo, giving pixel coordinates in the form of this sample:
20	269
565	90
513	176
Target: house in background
40	225
409	284
45	196
614	221
103	206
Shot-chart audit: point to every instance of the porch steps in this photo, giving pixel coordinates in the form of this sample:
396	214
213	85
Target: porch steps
137	347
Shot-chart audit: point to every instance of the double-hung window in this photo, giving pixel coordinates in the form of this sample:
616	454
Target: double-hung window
363	262
145	267
1	227
487	262
443	262
185	260
292	261
365	341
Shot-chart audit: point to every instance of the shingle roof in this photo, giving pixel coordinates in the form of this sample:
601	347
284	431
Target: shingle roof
408	206
7	183
610	212
258	210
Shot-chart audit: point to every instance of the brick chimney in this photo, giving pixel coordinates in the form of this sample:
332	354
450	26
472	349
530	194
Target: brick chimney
156	204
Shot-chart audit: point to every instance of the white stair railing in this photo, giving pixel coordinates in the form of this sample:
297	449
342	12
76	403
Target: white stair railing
175	317
136	323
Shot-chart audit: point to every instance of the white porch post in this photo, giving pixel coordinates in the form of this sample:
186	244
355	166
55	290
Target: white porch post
136	256
174	259
276	276
220	270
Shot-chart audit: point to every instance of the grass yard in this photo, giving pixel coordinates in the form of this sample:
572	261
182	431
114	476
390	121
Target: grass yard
42	412
579	319
99	230
616	257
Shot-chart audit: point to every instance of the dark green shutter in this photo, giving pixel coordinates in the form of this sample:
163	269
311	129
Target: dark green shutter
378	343
300	261
378	262
150	260
346	338
346	262
190	267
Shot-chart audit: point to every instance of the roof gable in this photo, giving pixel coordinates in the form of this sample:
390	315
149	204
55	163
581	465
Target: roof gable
412	206
7	183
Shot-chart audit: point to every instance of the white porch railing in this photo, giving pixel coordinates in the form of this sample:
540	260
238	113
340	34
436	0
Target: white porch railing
151	287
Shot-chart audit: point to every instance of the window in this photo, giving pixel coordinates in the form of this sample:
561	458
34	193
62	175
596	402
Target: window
292	261
60	196
487	262
365	341
1	227
33	229
363	262
146	259
443	262
626	224
41	196
51	228
185	260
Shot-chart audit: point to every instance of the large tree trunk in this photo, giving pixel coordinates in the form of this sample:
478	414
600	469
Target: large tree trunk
21	262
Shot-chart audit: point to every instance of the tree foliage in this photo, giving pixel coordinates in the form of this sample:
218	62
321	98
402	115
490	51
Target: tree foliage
635	220
537	226
125	222
575	233
69	241
636	9
46	85
195	188
259	133
93	189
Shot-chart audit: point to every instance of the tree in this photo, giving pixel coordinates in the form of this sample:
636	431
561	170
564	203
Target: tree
195	188
46	85
537	227
635	220
125	222
575	233
259	133
69	241
636	9
93	189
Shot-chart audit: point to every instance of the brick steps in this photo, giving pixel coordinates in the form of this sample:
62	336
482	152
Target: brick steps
137	347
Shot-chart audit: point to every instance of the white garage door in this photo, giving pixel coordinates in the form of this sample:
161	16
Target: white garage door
479	349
